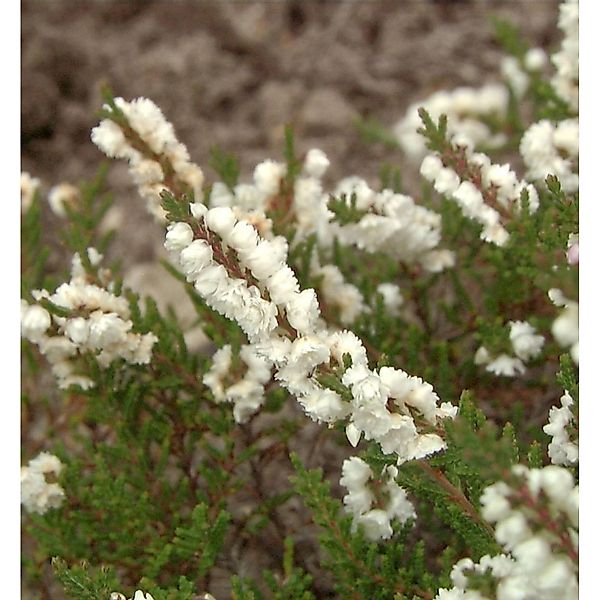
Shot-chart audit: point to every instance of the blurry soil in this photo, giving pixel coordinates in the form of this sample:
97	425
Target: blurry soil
232	74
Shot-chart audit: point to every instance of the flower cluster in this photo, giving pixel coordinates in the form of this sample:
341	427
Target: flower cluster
240	275
37	494
138	132
374	502
245	392
96	323
537	525
246	278
562	450
566	60
485	192
392	224
526	345
467	110
549	148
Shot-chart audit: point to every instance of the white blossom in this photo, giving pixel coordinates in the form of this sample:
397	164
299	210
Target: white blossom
537	563
467	110
566	61
316	163
100	326
148	123
37	495
549	149
526	344
375	522
562	450
268	175
392	297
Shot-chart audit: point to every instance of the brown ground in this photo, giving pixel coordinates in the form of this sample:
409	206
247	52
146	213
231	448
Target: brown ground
232	73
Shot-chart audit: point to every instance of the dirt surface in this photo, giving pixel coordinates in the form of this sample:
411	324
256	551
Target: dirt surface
232	74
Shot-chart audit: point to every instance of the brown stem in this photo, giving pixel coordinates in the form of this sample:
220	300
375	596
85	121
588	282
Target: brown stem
455	494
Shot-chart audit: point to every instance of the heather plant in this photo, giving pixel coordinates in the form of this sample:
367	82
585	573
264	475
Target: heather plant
427	342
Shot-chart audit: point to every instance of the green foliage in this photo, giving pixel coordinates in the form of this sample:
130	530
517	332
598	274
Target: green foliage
34	254
567	377
345	209
226	166
293	163
84	218
204	536
81	582
372	131
434	134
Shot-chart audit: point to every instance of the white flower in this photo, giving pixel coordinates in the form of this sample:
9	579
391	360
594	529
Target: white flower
446	182
35	321
283	285
243	237
566	327
111	140
355	473
107	329
268	175
179	236
525	343
323	405
265	259
198	210
561	450
316	163
375	522
337	292
514	75
346	342
211	281
431	167
194	258
37	495
78	330
302	311
392	298
505	365
535	59
221	220
495	505
365	384
469	198
435	261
